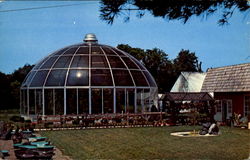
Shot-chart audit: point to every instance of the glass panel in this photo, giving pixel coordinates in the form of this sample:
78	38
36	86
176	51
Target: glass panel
39	78
218	106
149	78
101	77
129	63
61	51
21	102
120	100
25	102
229	106
78	77
24	107
83	50
71	51
25	79
130	100
48	64
139	100
138	63
247	106
80	61
153	97
96	50
96	99
39	102
28	78
31	101
108	100
39	64
115	62
119	52
99	62
122	78
56	77
108	51
49	102
71	101
59	101
63	62
147	99
83	101
139	78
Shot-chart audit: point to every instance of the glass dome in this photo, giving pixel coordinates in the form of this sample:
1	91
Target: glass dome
87	78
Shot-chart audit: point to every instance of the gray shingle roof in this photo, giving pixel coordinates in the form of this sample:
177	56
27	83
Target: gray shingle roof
187	96
234	78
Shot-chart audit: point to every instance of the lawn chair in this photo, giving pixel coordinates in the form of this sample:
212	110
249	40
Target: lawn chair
34	152
4	153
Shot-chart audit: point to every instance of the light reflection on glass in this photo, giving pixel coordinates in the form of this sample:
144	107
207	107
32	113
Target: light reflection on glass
78	74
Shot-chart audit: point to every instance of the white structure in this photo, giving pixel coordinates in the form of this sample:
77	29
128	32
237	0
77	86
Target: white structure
189	82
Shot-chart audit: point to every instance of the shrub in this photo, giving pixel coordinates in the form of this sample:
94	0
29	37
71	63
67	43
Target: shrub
17	119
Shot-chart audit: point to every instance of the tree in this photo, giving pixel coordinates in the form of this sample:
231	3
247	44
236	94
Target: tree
187	61
171	9
138	53
4	91
21	72
10	87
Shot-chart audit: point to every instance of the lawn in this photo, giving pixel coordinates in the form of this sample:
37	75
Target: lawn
151	143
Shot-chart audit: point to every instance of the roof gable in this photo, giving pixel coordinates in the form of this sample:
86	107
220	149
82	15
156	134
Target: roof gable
234	78
189	82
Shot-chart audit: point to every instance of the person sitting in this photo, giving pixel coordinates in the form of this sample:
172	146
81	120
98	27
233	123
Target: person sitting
210	128
213	129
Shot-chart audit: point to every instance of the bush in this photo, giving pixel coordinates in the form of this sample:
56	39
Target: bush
48	124
17	119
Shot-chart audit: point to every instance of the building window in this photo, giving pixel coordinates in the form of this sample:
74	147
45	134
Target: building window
39	102
247	106
229	106
97	103
83	101
49	101
71	98
32	101
130	101
218	106
120	100
59	101
108	100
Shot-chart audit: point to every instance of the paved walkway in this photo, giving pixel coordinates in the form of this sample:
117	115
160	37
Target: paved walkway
8	145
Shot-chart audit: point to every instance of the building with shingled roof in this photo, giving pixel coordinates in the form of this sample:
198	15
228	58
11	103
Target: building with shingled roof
230	86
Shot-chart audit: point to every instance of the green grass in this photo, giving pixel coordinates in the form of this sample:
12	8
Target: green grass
151	143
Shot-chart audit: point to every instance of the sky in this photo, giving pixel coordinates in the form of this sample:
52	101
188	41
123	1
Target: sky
27	36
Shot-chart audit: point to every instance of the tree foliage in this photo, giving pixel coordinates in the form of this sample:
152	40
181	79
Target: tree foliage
10	87
171	9
187	61
164	70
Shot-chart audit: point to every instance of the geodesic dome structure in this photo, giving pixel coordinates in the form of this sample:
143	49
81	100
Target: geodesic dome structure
87	78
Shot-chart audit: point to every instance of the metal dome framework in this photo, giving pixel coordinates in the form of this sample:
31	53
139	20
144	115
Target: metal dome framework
87	78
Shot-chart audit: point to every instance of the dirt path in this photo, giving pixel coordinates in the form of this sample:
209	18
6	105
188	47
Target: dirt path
8	145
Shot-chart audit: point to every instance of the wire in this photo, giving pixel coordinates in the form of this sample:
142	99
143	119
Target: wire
55	6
